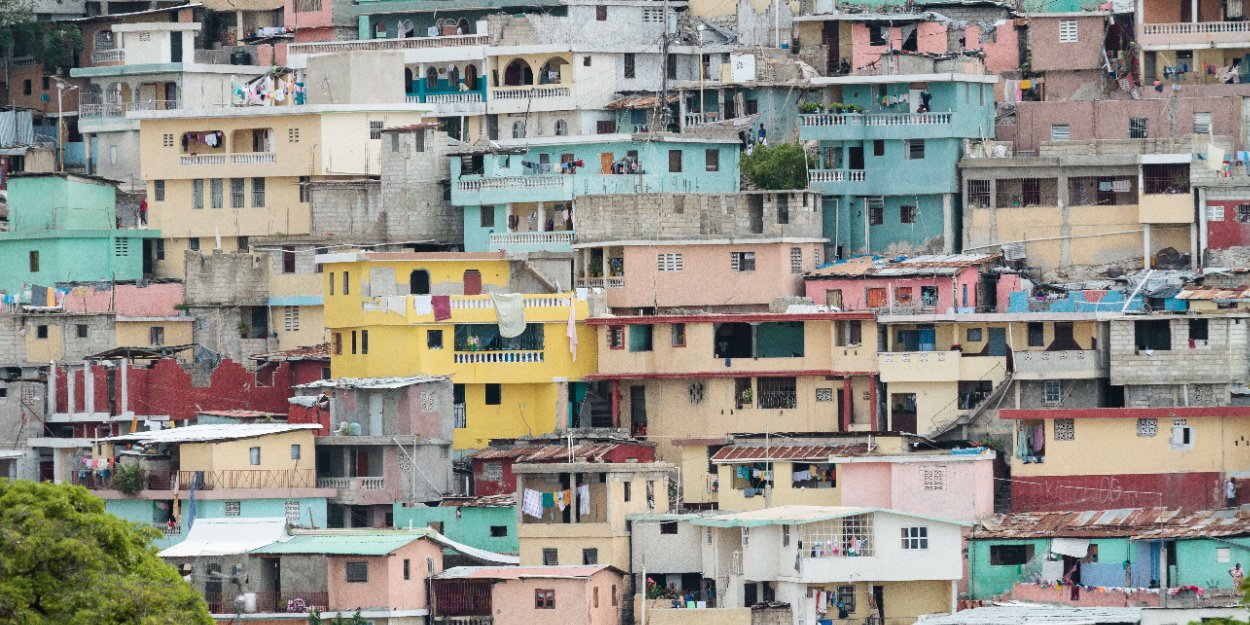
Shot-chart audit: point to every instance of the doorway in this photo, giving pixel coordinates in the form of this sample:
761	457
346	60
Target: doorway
878	602
903	412
998	341
175	47
419	282
472	282
638	410
855	157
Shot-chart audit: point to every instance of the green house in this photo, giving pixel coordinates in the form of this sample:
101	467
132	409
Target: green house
63	228
483	522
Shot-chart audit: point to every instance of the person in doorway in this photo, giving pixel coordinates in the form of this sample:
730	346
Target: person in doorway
1230	493
763	135
1238	576
1071	581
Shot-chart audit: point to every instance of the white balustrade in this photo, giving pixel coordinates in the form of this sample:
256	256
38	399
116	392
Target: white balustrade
536	93
511	182
835	175
531	238
414	43
204	159
498	357
875	119
253	158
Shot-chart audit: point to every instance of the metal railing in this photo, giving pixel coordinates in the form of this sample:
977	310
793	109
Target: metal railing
835	175
531	238
119	109
875	119
415	43
116	55
524	93
154	105
243	478
531	301
307	6
1191	28
498	357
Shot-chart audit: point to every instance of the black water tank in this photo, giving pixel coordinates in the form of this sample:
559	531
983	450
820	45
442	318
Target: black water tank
240	57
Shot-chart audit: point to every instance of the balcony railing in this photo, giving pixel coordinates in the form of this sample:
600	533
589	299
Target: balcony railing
695	119
415	43
465	358
835	175
511	182
95	111
270	602
1192	28
531	238
612	282
117	55
243	478
154	105
525	93
352	483
166	530
253	158
204	159
468	97
531	301
875	119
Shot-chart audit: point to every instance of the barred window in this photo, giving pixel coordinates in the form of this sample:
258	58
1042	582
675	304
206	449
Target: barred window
290	318
669	262
258	192
197	193
1147	428
796	260
233	508
1052	392
1067	31
742	261
1065	430
236	193
979	193
216	189
357	572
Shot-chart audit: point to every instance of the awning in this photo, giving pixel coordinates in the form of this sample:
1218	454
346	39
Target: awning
1073	547
227	537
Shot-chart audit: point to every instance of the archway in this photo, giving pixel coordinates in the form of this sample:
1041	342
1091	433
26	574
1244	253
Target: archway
419	282
470	77
518	73
431	77
553	71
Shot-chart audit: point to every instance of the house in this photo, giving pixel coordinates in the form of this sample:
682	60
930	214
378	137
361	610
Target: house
398	314
578	512
689	380
486	522
146	313
572	594
1189	38
492	467
249	470
871	562
889	174
63	228
1021	554
921	283
377	426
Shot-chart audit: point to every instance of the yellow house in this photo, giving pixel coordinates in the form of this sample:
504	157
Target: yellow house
593	528
217	177
404	314
688	381
155	332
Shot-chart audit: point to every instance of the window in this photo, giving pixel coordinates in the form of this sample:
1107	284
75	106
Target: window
353	341
407	569
616	337
796	260
1137	128
486	217
357	572
652	16
81	330
1154	334
878	34
545	599
292	135
434	339
550	557
156	335
979	193
1243	213
197	193
907	214
913	149
121	247
243	243
595	595
878	147
670	67
33	261
640	338
253	456
290	318
291	511
742	261
41	332
915	537
347	282
233	508
674	161
338	344
518	130
974	335
846	596
679	335
1060	132
711	159
375	130
1067	31
933	478
562	127
1065	430
1202	123
630	60
216	187
1147	428
629	490
28	87
236	193
616	601
590	556
1052	392
158	191
669	262
1037	334
194	243
258	192
1182	435
1198	330
160	249
1010	555
167	139
777	393
601	13
394	142
494	394
498	531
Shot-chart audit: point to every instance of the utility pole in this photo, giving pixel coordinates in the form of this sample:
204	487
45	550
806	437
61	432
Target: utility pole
665	39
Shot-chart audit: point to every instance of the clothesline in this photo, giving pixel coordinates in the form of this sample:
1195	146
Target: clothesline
535	503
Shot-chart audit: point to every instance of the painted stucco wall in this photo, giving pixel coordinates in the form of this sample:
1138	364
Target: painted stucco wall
472	526
854	292
514	603
127	300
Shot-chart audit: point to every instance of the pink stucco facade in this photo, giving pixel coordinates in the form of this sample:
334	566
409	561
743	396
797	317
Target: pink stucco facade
708	276
1048	53
890	292
127	300
1001	48
513	600
1109	119
947	488
386	588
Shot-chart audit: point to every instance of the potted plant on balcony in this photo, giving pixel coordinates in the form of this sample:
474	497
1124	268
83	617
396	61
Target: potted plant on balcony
809	108
127	478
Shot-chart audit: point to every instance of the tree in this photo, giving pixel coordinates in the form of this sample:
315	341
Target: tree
55	45
65	561
776	167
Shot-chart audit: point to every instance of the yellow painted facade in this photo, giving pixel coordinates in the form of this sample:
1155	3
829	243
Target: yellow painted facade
783	492
235	455
45	349
903	601
403	340
139	332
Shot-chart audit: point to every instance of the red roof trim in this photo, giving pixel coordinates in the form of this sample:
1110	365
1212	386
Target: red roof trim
1126	413
726	374
731	318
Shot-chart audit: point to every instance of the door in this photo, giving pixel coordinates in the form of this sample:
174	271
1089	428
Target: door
878	601
855	158
998	341
875	298
927	338
375	414
605	162
360	463
638	409
175	47
419	282
829	39
472	282
903	412
1064	338
833	298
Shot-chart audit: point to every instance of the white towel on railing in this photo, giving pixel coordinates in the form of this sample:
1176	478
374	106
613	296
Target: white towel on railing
583	499
510	307
532	503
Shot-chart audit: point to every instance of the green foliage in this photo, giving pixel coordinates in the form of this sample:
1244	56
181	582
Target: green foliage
776	167
810	107
127	478
314	618
1220	621
53	44
65	561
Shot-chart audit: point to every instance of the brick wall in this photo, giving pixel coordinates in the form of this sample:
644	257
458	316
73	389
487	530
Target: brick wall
1222	361
218	278
668	217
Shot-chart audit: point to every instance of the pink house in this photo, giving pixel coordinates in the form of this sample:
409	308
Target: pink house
564	595
157	299
936	283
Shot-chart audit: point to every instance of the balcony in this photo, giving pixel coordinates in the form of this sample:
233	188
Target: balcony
852	126
595	282
1083	364
351	483
119	109
253	158
835	175
473	358
1206	34
414	43
116	56
467	102
886	119
203	159
270	602
532	93
939	366
559	241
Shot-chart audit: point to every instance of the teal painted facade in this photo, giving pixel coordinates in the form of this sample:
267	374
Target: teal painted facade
63	229
513	185
1119	560
157	512
470	525
890	176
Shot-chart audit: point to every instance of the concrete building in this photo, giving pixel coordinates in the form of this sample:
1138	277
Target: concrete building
921	284
483	522
577	595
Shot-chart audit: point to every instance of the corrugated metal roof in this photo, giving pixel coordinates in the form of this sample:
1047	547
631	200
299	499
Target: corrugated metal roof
520	572
927	265
584	452
638	102
1206	294
215	432
374	383
484	501
1136	523
354	543
751	453
1036	613
240	414
313	352
798	515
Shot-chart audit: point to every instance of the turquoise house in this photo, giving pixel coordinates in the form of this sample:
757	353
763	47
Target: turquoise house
483	522
63	228
1111	548
308	512
521	196
889	172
